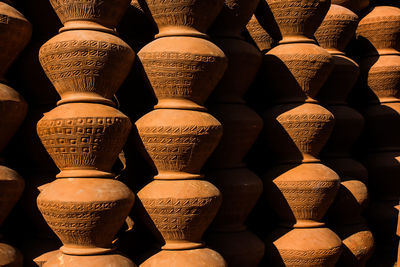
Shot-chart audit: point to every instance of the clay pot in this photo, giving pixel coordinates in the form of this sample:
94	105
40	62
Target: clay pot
84	139
297	132
259	35
179	211
182	70
337	29
109	260
234	83
233	18
11	187
354	5
13	109
238	248
348	126
78	14
85	213
382	76
350	202
241	128
357	245
301	194
379	30
16	30
340	82
201	257
241	189
9	256
86	65
179	141
347	168
296	72
298	20
184	18
303	247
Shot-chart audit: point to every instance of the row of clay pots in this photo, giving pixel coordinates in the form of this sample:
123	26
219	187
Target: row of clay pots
15	32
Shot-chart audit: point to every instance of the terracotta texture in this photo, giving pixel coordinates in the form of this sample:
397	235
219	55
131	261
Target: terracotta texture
183	68
84	134
222	93
354	5
298	20
15	32
299	188
345	214
378	33
185	17
239	186
258	34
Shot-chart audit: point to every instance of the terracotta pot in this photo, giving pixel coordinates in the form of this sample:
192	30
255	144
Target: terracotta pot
109	260
233	17
17	31
238	248
348	126
179	211
234	84
354	5
11	187
259	35
86	65
298	20
9	256
340	82
241	128
13	109
347	168
241	189
201	257
379	30
85	213
337	29
179	141
350	202
297	132
182	70
184	18
381	75
357	245
296	72
78	14
303	247
301	194
84	139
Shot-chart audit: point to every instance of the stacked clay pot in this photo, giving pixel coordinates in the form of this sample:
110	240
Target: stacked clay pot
182	67
299	187
335	32
378	36
86	62
15	32
240	187
353	5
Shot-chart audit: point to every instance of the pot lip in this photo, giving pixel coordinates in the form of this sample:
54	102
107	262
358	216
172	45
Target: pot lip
85	250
